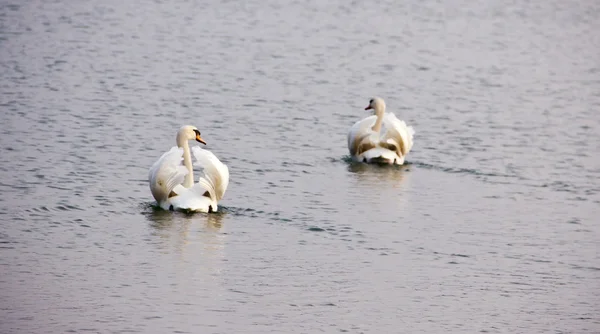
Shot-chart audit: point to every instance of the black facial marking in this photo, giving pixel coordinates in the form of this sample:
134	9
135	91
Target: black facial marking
371	101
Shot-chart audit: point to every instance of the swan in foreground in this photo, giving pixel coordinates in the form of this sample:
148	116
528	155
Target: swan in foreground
368	142
172	177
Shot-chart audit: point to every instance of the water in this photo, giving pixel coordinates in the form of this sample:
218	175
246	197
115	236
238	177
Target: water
492	226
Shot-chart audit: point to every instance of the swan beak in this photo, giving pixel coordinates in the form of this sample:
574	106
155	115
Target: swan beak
368	107
199	139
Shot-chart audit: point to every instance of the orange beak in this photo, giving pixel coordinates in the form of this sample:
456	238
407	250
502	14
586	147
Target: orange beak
368	107
199	139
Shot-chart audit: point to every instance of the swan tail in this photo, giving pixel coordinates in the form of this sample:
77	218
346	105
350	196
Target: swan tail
216	175
192	200
380	155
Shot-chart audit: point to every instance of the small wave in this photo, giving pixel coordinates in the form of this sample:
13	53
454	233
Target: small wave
252	213
560	186
500	178
469	171
62	207
152	208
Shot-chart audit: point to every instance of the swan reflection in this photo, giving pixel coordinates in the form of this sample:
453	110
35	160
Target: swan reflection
378	188
379	175
197	239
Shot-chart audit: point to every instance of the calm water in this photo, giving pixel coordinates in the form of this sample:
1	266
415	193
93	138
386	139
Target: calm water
492	226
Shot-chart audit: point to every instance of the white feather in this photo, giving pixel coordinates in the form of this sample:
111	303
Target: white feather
398	131
360	131
216	174
166	173
389	145
167	177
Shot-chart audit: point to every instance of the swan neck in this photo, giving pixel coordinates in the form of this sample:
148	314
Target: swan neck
379	112
188	182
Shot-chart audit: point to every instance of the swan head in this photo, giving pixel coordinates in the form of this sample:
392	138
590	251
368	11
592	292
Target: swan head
189	132
377	104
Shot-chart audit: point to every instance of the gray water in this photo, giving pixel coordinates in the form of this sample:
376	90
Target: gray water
491	226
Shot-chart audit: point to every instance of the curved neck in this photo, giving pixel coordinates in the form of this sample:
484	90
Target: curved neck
379	112
187	161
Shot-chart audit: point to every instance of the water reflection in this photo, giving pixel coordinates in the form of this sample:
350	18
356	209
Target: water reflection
214	221
159	218
171	227
193	236
211	244
379	174
164	220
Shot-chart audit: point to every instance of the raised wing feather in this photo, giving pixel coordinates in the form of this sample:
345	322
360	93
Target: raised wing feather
216	175
360	131
397	133
166	173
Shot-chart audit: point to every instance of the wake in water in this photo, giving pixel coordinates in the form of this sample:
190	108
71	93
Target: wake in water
153	209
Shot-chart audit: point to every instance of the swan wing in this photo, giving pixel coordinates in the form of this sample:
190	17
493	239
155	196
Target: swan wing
216	175
398	136
166	173
359	136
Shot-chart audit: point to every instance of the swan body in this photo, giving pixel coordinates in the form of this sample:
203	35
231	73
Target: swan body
381	138
171	177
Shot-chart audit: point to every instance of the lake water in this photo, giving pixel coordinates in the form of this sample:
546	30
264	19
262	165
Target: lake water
492	226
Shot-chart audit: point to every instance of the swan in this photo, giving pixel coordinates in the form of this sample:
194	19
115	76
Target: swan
368	143
171	177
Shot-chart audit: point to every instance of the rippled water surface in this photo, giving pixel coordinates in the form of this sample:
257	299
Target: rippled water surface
491	226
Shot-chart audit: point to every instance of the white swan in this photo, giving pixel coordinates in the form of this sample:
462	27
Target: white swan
172	182
367	141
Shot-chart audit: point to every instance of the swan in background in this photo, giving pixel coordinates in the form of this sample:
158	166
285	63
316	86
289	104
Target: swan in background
171	178
368	142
